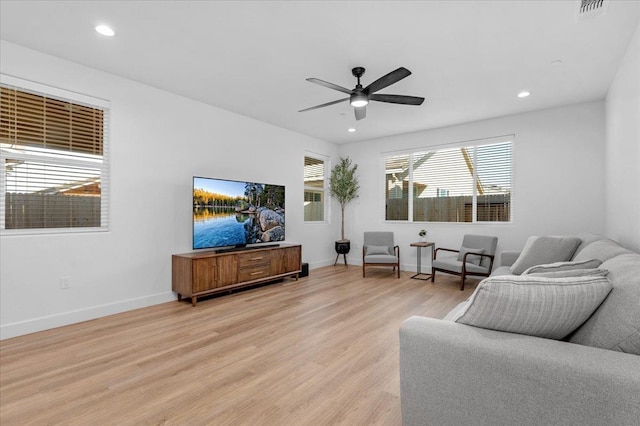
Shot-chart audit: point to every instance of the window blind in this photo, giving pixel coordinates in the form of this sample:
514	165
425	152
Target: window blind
53	160
314	189
443	185
463	183
29	119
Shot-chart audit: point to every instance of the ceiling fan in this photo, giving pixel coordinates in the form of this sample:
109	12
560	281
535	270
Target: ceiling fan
359	97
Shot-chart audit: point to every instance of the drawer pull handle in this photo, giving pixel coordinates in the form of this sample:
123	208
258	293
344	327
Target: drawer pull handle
256	258
256	273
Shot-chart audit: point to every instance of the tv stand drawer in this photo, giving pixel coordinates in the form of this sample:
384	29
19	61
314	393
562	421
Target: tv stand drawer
252	259
251	273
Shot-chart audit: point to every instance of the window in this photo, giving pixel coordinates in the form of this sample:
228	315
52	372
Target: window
53	162
465	183
314	189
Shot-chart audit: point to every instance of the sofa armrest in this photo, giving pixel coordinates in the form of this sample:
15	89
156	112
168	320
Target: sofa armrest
508	258
454	374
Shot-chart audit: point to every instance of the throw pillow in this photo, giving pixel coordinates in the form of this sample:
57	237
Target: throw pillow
470	259
377	250
541	250
564	266
537	306
571	273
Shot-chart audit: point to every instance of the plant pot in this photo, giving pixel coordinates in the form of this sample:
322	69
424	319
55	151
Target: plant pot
342	248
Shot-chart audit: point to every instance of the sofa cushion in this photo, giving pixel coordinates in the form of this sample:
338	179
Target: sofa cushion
615	324
601	249
470	258
502	270
537	306
371	250
563	266
541	250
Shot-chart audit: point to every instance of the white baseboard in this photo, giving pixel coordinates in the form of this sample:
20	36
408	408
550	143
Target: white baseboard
58	320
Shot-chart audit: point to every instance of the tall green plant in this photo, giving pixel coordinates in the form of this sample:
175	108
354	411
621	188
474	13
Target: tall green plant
343	185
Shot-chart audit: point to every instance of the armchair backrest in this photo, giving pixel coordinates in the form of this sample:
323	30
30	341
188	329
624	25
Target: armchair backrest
379	238
486	242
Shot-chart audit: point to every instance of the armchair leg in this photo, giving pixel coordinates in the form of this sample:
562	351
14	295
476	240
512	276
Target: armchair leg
363	270
433	274
462	283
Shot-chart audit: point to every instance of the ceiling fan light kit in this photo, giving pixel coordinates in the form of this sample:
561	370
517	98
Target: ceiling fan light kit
359	100
359	97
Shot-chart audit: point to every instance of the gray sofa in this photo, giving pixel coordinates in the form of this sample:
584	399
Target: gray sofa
456	374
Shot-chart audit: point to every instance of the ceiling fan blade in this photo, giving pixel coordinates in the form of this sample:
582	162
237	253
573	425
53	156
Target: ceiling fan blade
324	105
330	85
387	80
361	112
397	99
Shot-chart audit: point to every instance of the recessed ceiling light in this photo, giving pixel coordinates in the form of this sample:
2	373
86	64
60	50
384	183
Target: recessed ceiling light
351	130
105	30
524	94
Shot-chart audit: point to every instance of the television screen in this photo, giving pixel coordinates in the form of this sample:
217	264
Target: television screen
236	213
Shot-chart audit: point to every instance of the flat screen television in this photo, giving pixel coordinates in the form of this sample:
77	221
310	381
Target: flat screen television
233	214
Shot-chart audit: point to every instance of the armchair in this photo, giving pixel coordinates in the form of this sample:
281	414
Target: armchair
474	258
379	249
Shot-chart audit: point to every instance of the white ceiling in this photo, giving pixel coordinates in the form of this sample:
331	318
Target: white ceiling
469	58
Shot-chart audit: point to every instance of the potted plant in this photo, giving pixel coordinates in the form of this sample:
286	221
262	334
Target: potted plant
423	235
343	186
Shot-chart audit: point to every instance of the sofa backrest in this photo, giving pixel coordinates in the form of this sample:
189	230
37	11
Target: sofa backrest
604	250
615	325
586	238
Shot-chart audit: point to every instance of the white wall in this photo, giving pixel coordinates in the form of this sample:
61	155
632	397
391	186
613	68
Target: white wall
158	142
558	179
622	158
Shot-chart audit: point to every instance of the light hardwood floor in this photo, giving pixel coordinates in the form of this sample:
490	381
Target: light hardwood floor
322	350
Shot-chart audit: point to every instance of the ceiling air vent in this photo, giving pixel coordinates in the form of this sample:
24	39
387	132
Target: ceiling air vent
591	8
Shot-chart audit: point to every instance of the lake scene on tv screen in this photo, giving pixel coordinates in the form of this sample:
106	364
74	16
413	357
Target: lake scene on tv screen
236	213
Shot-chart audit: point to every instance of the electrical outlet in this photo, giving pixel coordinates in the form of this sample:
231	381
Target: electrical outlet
65	283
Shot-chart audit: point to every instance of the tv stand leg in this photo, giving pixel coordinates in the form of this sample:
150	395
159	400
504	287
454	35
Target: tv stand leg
179	297
194	300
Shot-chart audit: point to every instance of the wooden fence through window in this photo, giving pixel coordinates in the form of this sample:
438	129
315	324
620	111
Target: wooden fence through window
490	208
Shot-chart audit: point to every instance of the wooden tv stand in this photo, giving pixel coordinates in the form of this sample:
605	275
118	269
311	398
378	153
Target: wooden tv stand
201	273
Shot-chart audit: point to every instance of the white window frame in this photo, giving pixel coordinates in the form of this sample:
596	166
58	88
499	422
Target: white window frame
325	187
470	143
77	98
